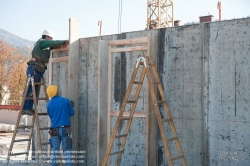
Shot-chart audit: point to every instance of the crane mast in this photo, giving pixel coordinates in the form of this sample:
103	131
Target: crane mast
160	14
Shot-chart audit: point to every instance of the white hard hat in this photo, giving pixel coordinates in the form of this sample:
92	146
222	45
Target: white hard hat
48	32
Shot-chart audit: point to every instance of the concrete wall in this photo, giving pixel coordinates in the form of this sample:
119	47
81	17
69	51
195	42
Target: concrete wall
204	72
180	67
227	92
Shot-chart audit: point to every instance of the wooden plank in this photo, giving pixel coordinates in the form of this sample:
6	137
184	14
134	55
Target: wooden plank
126	49
73	79
60	59
10	107
151	141
128	41
60	49
137	114
110	59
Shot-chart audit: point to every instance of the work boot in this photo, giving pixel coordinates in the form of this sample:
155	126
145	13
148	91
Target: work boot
28	112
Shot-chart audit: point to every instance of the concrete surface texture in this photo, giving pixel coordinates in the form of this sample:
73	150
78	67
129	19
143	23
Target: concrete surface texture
204	72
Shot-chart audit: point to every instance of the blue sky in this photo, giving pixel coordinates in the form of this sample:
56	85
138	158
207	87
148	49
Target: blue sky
28	18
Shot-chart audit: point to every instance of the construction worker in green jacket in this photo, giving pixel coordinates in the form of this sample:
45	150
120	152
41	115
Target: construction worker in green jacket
38	62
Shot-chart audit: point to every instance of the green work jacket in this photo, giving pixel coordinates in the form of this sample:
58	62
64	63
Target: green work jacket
42	47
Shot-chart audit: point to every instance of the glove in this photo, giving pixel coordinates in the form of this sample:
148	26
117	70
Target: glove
72	103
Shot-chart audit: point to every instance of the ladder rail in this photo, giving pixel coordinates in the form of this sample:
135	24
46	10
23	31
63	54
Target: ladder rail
106	156
17	122
136	96
30	136
165	104
47	100
146	62
45	87
159	85
35	118
158	115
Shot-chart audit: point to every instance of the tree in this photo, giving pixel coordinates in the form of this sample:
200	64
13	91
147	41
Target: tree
12	71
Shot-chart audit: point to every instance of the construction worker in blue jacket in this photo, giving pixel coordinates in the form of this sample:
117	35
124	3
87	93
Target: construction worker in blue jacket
38	62
60	110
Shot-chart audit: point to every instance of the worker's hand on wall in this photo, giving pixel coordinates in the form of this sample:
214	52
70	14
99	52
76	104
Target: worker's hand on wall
66	44
72	103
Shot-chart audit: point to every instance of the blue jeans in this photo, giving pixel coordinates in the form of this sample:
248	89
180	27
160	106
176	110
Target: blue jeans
28	104
55	142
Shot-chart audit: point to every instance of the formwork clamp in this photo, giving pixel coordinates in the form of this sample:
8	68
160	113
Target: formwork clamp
141	59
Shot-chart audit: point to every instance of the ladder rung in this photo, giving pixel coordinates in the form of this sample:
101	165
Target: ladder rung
42	114
166	120
173	138
141	63
29	98
43	98
38	83
131	101
45	143
21	140
119	151
29	126
127	118
38	98
44	128
137	82
156	82
24	133
161	101
177	157
20	153
122	135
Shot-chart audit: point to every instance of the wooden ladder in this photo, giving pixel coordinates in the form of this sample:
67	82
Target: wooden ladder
35	119
145	62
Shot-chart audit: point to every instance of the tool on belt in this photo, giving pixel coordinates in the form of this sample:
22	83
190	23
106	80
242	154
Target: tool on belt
40	66
65	133
54	131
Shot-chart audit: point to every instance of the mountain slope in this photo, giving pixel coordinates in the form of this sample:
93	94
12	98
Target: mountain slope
15	40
